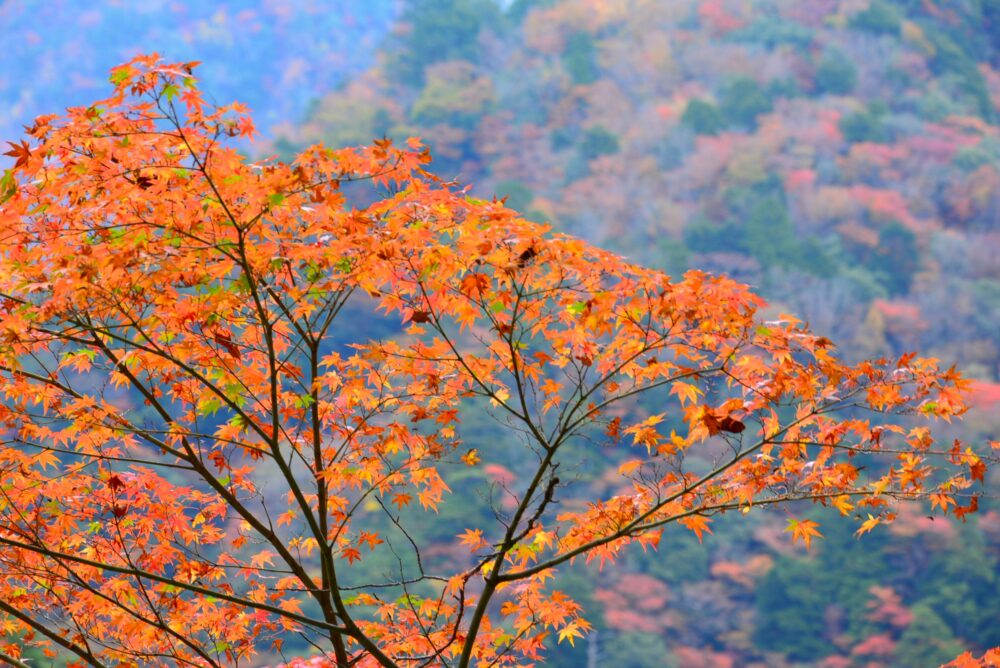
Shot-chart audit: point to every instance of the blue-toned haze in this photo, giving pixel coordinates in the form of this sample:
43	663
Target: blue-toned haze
274	55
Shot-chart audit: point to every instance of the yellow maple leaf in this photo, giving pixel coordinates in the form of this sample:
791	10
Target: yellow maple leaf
570	632
843	504
868	525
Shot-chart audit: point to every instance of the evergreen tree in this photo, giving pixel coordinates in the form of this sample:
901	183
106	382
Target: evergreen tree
703	117
439	30
580	58
927	641
880	18
836	74
742	101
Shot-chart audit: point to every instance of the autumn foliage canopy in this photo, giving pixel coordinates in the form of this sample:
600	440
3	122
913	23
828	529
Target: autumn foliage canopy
195	467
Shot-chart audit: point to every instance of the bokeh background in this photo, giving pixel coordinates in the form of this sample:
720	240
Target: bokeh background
842	156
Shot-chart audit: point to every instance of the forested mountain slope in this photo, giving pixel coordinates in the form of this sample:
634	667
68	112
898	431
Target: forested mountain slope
843	156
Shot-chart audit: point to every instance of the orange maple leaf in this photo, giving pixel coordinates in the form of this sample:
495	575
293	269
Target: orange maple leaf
803	530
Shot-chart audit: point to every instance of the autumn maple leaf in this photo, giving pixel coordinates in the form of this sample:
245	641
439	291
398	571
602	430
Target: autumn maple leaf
21	152
803	530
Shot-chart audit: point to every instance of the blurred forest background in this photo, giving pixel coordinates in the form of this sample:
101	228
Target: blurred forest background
842	156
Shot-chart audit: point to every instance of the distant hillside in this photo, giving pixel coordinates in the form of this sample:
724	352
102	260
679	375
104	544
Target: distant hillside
841	155
274	56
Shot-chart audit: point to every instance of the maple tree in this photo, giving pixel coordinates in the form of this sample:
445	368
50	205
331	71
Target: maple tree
195	468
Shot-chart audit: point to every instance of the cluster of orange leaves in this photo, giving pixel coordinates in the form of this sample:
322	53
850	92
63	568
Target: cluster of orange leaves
166	316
